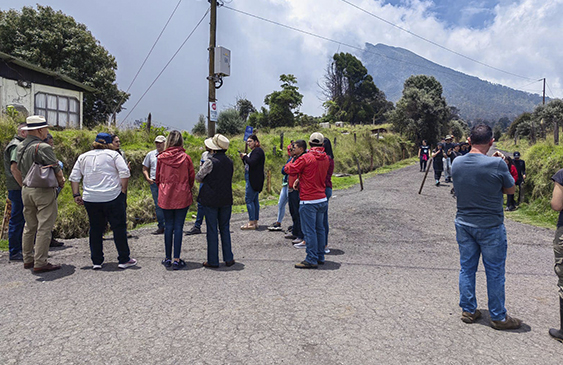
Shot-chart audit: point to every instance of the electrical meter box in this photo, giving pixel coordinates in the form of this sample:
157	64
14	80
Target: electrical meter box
222	61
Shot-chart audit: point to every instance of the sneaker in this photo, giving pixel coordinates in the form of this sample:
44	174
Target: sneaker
166	262
556	334
96	267
301	244
275	227
470	317
290	236
127	264
327	250
158	231
305	265
509	323
194	230
437	182
177	265
16	257
290	228
297	240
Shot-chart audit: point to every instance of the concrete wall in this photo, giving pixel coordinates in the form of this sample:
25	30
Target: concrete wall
12	93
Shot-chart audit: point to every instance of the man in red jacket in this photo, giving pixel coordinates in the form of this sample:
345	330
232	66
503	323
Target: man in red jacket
312	168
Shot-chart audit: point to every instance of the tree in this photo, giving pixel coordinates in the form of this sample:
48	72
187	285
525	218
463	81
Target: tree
422	112
244	108
229	122
549	117
200	129
283	103
351	94
55	41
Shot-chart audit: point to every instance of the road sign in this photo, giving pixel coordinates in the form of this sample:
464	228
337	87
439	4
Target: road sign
213	111
248	132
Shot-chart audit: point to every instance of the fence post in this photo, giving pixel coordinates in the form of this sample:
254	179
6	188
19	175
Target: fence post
281	143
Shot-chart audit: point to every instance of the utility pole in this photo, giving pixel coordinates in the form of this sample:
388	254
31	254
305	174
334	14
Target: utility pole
544	91
212	44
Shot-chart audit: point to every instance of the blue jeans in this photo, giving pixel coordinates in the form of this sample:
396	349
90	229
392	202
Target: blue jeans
173	230
491	243
17	222
312	224
159	212
217	221
281	203
328	192
251	199
99	214
293	199
199	217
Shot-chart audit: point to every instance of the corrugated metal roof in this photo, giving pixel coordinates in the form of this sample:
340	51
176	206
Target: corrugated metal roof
22	63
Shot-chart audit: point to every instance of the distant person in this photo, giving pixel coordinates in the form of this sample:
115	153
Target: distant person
521	168
298	148
480	182
510	203
105	180
254	176
448	148
39	204
282	201
175	179
312	168
557	205
196	229
423	155
438	163
328	186
149	172
14	185
216	197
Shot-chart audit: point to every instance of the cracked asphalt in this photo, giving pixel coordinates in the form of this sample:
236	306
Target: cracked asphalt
388	294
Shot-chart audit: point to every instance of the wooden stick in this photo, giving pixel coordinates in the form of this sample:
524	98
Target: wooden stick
425	174
360	174
7	210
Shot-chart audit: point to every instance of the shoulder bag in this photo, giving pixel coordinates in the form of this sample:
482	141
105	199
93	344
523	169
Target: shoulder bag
40	176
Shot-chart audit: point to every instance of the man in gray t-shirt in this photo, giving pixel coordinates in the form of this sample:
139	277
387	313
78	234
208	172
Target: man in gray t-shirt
479	183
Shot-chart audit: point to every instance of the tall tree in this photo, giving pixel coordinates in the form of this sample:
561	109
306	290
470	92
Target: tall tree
284	103
351	93
244	108
55	41
422	111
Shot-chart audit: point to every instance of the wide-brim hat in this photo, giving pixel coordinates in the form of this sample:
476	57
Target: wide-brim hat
35	122
217	142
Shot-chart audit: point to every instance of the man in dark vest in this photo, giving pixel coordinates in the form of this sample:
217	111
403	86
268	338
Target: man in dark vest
216	198
14	185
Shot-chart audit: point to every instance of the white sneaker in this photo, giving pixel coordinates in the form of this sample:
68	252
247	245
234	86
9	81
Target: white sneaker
327	250
127	264
301	244
96	267
297	240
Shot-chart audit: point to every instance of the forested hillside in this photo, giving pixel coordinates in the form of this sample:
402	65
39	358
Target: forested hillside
475	98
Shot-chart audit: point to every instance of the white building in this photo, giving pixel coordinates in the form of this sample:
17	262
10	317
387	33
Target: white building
36	91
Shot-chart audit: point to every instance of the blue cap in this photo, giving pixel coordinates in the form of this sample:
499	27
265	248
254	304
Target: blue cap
104	138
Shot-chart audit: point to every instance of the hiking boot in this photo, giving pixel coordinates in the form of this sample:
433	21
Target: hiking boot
127	264
470	317
46	268
305	265
55	243
158	231
194	230
509	323
556	334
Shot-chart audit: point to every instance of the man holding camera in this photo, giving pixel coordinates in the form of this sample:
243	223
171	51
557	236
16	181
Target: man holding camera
480	182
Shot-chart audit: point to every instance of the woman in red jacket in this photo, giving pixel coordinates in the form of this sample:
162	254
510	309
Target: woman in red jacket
175	178
510	203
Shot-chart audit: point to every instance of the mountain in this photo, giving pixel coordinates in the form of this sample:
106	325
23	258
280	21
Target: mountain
475	98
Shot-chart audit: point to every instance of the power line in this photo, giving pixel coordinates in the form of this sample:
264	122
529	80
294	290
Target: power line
432	42
552	94
173	56
147	57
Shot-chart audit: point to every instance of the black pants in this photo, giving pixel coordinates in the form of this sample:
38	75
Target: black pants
99	213
437	175
423	164
293	201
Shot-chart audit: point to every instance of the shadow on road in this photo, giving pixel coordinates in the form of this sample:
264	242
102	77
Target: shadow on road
335	252
64	271
330	265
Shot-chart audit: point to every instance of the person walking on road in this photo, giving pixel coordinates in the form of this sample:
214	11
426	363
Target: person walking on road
175	179
105	178
14	185
557	205
480	182
216	197
39	204
438	163
254	176
312	168
149	172
423	155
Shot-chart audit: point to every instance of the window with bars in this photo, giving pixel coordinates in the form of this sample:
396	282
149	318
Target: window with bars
62	111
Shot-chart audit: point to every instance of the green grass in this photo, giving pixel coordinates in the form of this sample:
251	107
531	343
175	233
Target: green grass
537	213
3	245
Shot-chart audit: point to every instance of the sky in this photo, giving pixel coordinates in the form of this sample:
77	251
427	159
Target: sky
515	43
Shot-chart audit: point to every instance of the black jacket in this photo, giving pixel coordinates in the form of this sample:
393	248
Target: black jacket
256	168
217	190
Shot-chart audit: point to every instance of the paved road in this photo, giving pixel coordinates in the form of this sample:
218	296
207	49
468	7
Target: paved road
387	295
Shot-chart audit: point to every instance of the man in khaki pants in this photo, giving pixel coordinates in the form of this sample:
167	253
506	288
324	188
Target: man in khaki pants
39	204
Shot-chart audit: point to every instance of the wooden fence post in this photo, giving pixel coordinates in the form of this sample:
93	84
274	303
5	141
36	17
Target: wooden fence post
281	143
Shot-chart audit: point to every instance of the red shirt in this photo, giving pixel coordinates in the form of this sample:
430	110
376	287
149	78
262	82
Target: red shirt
312	168
175	178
